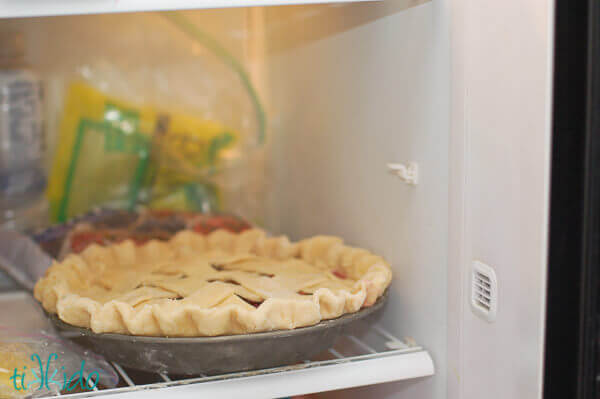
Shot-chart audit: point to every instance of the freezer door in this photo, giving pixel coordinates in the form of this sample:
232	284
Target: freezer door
572	333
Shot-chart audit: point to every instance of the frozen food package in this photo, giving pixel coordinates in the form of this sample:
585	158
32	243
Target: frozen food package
38	364
186	152
167	134
103	153
35	361
41	364
118	155
13	356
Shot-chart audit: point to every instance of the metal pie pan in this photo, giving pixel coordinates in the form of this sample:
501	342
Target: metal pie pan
216	355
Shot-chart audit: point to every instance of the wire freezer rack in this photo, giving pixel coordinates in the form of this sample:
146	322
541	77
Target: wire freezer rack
367	355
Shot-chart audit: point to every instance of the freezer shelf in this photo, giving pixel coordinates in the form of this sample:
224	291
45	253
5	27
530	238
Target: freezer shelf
365	355
39	8
352	362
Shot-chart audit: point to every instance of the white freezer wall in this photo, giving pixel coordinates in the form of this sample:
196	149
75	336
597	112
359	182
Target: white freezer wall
353	87
374	85
499	193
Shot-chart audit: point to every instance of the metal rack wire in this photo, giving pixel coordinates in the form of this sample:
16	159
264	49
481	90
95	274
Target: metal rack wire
367	351
366	354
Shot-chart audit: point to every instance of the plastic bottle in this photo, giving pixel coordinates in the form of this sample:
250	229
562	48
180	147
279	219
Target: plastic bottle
22	177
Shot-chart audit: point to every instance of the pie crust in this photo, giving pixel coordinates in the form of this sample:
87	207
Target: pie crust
216	284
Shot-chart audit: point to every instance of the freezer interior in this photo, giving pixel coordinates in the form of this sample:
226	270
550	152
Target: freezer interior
345	99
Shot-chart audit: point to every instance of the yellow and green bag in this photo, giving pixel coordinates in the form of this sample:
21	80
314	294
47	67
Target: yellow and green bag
115	154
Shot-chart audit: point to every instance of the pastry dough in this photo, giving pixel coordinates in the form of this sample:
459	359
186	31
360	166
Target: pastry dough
215	284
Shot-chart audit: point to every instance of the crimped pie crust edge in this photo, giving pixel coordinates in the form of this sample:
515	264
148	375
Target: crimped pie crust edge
371	272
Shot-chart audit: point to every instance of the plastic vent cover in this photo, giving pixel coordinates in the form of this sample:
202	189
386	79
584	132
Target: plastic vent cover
484	291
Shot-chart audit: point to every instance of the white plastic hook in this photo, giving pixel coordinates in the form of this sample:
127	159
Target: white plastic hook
408	173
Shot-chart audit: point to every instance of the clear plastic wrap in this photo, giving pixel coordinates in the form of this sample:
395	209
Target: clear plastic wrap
34	361
22	258
38	364
182	100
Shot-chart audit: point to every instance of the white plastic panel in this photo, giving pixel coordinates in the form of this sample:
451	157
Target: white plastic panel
325	378
37	8
368	85
502	73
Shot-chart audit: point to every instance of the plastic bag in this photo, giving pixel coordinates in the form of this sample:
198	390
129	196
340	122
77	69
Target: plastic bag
22	259
41	364
34	361
172	68
116	154
102	155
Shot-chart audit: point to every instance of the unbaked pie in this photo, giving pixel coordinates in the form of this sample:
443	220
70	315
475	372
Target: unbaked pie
215	284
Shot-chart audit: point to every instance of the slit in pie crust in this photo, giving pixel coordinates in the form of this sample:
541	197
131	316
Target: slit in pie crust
216	284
